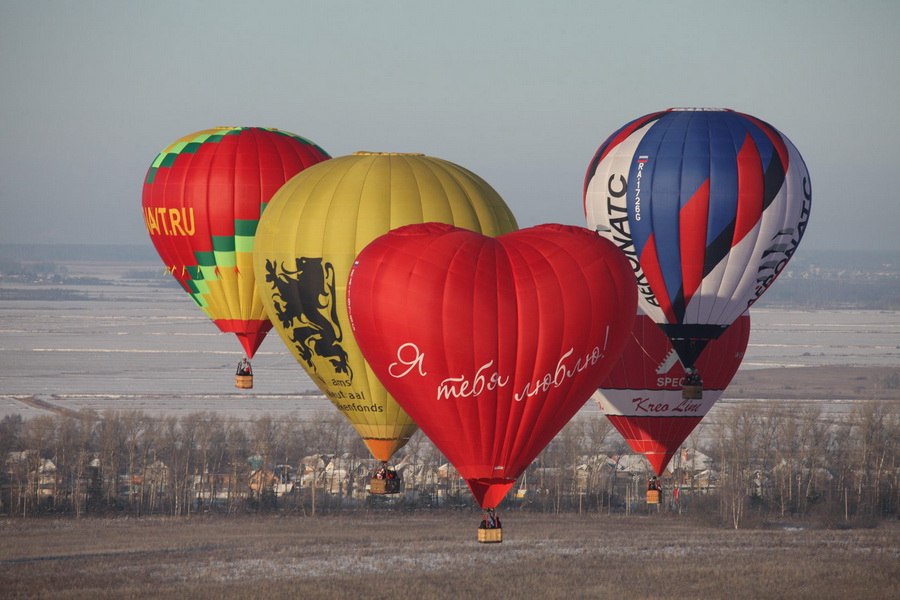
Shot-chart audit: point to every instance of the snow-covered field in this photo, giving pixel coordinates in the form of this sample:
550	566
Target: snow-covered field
135	346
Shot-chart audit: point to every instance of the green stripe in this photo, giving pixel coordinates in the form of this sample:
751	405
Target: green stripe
205	259
223	243
167	159
245	227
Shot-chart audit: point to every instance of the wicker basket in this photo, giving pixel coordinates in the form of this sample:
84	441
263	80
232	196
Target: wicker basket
490	536
652	496
691	392
244	382
384	486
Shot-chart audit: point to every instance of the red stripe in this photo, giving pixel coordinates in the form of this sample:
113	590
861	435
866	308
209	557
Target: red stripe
751	185
650	266
189	171
222	189
692	225
254	157
776	139
250	333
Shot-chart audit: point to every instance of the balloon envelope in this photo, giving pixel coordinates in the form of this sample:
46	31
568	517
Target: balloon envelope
709	205
491	345
308	239
202	199
642	394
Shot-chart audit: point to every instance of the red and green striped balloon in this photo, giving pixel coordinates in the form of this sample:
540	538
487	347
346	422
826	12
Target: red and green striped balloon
202	200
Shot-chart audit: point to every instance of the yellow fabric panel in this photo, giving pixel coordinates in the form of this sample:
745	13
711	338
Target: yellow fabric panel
250	306
230	296
331	211
233	295
216	304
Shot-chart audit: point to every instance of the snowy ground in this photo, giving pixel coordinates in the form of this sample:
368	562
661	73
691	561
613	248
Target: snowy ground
134	346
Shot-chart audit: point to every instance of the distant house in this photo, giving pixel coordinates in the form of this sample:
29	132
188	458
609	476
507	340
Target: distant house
691	468
632	464
156	477
279	480
262	479
216	487
40	472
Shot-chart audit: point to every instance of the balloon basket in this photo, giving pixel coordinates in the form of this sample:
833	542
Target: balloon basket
384	486
652	496
244	382
490	536
691	392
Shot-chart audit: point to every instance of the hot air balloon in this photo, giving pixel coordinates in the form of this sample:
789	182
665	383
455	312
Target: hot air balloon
308	239
641	397
491	345
709	205
202	199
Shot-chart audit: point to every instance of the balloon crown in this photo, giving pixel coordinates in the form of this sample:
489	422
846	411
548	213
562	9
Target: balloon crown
365	153
700	109
242	127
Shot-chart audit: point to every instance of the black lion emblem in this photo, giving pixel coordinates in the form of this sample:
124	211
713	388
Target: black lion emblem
304	301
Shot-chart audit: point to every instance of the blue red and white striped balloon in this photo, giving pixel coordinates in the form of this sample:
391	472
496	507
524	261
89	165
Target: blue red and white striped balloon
709	205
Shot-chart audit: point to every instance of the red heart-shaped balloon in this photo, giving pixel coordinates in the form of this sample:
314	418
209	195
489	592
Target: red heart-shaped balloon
491	344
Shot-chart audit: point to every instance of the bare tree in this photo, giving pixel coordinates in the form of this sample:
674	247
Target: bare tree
136	431
264	438
598	432
814	442
11	427
208	458
788	452
38	438
176	450
110	451
877	427
735	439
236	453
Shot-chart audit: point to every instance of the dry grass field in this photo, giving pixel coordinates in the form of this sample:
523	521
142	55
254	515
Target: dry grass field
392	555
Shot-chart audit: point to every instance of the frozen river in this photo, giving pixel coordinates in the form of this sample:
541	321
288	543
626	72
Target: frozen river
131	346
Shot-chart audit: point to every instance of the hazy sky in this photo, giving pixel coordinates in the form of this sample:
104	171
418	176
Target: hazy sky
521	93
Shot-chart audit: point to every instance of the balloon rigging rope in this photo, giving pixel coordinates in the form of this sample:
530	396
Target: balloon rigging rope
643	349
280	359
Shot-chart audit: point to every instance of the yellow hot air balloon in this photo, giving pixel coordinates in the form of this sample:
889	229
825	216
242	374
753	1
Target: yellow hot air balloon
307	240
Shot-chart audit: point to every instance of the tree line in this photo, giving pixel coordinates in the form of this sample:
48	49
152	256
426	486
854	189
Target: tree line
759	463
774	462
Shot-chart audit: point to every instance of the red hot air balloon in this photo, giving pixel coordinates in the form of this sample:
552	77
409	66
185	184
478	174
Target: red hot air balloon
202	200
642	395
491	344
